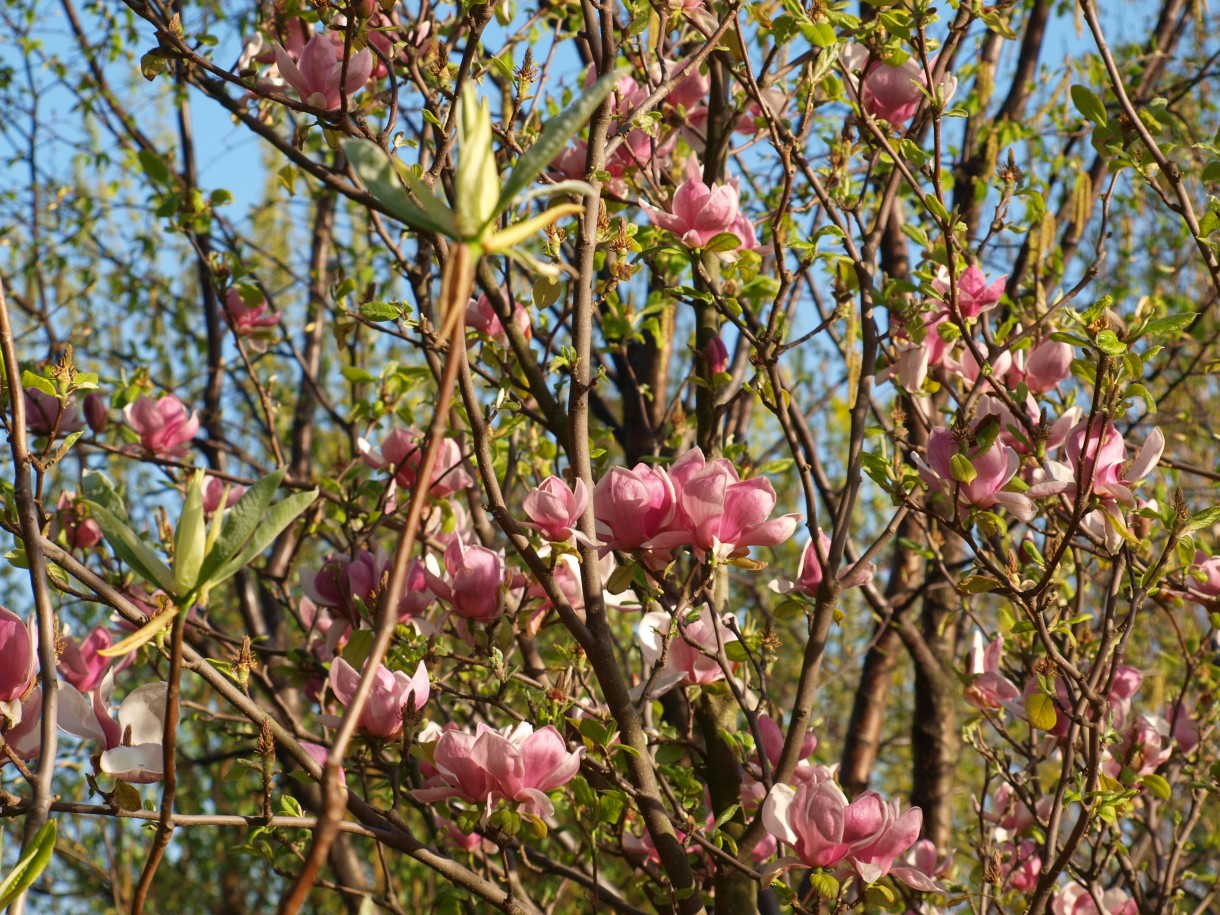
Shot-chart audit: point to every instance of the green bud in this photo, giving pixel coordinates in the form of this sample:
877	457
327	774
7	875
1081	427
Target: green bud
190	539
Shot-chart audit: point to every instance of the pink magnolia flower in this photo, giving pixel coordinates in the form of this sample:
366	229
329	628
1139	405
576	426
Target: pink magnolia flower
555	509
992	469
1202	580
517	765
18	661
1012	815
1146	745
163	424
1099	452
912	360
133	744
885	832
256	323
809	574
891	93
688	661
393	691
80	664
476	581
71	517
698	213
632	506
21	725
1075	899
989	688
481	316
719	513
1048	363
402	450
974	295
1184	727
316	76
1022	865
341	581
41	411
214	491
319	754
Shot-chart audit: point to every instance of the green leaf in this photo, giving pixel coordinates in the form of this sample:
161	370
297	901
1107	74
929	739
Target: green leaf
38	383
240	522
725	241
1157	785
1170	325
550	143
1089	105
825	885
31	864
279	517
375	171
1206	518
1040	709
961	468
380	311
1108	343
99	488
132	550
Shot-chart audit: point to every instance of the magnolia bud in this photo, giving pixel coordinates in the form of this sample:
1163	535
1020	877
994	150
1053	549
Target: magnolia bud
95	412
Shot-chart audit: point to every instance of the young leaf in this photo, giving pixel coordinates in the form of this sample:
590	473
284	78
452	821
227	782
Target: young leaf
552	140
190	539
132	550
1040	709
1089	105
100	489
279	517
373	168
31	864
241	521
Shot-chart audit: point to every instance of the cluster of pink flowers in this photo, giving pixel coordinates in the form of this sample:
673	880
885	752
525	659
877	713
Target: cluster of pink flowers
825	830
517	765
697	503
402	450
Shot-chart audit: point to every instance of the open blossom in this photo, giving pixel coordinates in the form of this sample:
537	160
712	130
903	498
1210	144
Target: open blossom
255	323
132	743
555	509
402	451
517	765
912	361
163	424
698	213
481	316
214	492
688	662
1075	899
475	581
318	73
720	514
71	517
393	691
974	294
632	506
891	93
816	819
341	581
21	724
992	469
1097	450
18	660
42	409
989	688
80	664
809	574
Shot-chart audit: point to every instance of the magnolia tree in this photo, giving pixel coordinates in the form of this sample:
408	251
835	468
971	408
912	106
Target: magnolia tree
684	457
